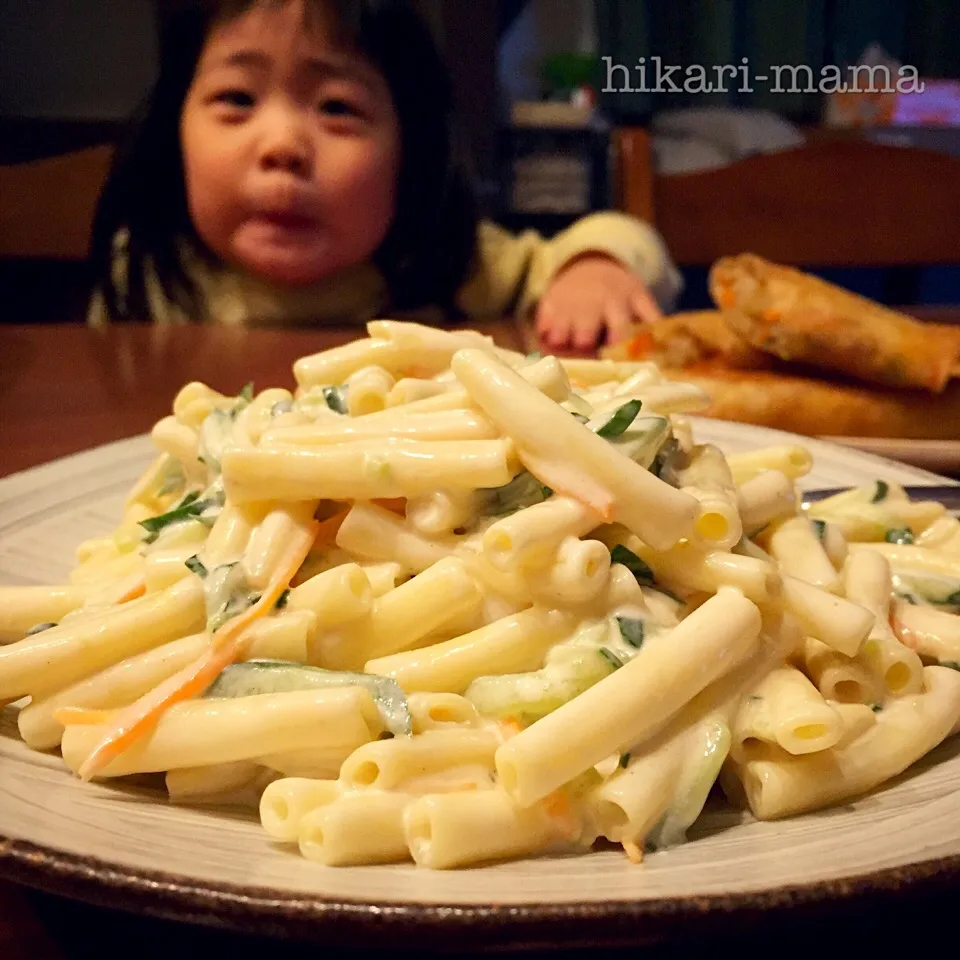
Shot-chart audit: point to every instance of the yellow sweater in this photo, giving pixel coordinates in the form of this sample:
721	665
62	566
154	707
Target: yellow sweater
510	274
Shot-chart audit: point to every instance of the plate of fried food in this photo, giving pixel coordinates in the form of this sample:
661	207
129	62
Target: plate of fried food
786	349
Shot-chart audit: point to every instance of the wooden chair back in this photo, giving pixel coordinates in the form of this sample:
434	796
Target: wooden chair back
47	206
831	202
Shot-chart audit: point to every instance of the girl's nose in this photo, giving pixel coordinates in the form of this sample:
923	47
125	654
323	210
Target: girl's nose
287	147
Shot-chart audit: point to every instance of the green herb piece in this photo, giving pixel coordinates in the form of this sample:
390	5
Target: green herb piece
903	536
195	565
640	570
173	479
524	490
282	600
881	491
610	657
39	628
246	393
618	423
952	664
189	508
631	629
336	399
625	761
232	608
877	707
534	356
819	529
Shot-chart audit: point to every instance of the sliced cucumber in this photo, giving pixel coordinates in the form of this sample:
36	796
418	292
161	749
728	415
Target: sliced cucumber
640	440
216	433
708	751
282	676
928	588
530	696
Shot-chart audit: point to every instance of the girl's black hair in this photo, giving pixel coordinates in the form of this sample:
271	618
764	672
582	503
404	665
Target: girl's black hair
427	251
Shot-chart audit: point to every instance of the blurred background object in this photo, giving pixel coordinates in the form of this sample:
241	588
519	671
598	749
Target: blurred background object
530	78
71	72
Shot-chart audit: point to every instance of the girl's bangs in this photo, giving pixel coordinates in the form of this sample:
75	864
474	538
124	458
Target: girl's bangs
341	18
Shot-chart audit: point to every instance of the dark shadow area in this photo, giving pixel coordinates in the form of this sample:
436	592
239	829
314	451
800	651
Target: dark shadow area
922	286
92	933
43	291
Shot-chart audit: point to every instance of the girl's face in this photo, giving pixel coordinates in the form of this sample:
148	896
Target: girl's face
291	148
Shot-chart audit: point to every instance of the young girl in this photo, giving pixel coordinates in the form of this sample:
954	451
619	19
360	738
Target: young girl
296	164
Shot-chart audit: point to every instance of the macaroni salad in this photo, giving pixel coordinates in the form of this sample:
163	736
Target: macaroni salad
455	604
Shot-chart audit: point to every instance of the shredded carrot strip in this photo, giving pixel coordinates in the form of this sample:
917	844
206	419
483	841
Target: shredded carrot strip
509	727
559	809
556	805
589	492
770	316
328	529
727	298
81	716
633	851
136	590
604	507
131	723
904	636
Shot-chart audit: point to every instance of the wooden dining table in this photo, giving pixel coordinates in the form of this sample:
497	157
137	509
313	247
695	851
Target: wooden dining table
66	388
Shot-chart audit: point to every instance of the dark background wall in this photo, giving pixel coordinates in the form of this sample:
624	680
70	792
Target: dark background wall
75	59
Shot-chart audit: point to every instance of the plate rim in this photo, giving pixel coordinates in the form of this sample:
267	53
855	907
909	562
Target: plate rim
265	910
926	454
250	908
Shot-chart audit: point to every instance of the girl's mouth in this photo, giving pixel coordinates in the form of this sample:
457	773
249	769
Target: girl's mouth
286	220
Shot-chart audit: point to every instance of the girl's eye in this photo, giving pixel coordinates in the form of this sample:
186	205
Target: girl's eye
338	108
236	98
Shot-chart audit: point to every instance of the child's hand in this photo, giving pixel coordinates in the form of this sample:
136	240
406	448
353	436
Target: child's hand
594	296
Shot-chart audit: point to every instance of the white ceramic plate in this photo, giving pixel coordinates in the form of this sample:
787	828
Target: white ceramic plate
939	455
128	847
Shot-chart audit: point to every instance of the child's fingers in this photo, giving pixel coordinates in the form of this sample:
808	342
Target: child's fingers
558	336
644	306
547	321
587	329
619	321
552	327
544	316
